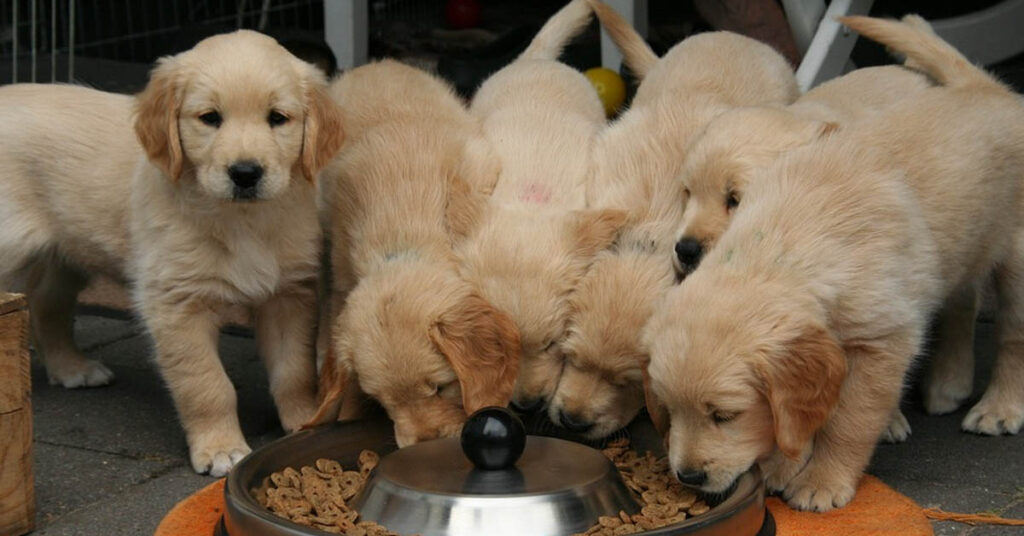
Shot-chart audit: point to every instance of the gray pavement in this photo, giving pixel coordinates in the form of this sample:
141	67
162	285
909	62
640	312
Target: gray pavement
112	460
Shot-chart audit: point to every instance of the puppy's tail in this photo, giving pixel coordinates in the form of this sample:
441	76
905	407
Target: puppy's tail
558	31
924	51
636	53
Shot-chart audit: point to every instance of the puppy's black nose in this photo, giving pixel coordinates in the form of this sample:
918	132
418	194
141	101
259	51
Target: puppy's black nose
692	478
689	252
245	174
574	423
529	405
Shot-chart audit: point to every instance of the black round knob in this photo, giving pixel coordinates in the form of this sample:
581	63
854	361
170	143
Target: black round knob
493	438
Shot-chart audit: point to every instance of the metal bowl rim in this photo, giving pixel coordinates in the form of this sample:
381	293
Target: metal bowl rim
237	495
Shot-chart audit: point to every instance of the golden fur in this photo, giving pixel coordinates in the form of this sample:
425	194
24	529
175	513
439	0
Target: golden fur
412	333
817	296
635	166
529	242
735	145
81	198
738	143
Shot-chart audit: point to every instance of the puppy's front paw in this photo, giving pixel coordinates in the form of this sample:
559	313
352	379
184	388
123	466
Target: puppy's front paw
779	470
898	429
217	457
818	490
79	372
995	415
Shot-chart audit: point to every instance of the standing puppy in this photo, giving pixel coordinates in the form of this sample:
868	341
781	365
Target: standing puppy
528	244
412	333
635	168
789	343
221	213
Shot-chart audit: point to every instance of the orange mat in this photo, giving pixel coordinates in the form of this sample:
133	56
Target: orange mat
876	510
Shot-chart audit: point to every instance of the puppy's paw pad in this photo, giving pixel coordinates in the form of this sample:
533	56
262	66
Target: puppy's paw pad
990	418
898	429
806	494
217	462
80	373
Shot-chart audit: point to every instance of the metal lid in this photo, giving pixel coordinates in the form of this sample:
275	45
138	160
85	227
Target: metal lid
555	488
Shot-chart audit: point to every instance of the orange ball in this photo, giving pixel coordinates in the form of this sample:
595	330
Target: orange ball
609	86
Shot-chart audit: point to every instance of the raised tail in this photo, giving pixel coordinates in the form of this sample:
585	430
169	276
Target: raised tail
924	51
558	31
636	53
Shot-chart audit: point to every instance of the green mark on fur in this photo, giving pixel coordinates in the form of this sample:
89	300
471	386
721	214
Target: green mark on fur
728	255
759	236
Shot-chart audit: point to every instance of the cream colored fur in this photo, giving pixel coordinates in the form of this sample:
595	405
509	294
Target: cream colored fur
817	296
412	334
636	161
733	147
529	242
79	197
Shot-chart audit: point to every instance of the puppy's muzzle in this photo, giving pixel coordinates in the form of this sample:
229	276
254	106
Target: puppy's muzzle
689	252
246	176
574	423
528	406
692	478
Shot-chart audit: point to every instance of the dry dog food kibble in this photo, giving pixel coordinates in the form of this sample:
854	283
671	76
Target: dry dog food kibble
316	496
664	500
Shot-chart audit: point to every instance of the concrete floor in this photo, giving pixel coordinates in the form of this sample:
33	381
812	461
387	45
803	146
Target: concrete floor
112	460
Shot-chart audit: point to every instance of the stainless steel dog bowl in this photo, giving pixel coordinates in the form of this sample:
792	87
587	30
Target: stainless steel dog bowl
555	488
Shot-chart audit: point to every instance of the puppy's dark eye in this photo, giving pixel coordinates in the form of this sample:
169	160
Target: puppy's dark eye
732	201
722	417
277	119
212	119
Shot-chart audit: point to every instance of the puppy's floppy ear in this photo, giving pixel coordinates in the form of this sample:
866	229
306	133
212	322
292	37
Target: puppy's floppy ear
156	117
322	133
482	345
330	393
595	230
802	386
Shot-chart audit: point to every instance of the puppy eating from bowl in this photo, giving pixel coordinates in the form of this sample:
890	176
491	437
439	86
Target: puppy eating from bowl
788	345
407	329
635	164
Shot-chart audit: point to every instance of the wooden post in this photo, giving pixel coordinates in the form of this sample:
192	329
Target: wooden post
17	487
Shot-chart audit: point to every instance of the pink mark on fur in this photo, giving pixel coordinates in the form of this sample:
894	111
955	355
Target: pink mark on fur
535	193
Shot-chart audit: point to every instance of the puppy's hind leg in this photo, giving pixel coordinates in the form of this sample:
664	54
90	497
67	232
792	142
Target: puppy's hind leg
52	293
1001	408
951	375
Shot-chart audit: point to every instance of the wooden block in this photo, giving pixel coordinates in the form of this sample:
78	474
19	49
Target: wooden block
17	487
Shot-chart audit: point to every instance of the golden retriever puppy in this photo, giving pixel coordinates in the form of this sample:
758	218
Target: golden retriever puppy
739	142
412	334
817	296
528	243
212	207
635	166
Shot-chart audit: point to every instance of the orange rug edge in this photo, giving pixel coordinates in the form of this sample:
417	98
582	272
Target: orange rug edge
877	509
196	515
